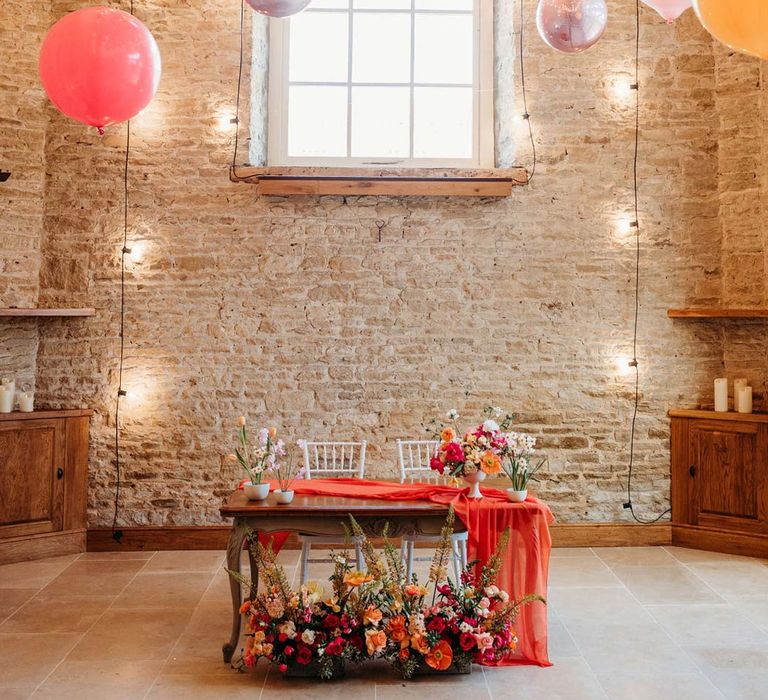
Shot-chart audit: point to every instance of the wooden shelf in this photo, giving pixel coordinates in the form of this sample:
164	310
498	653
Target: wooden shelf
718	415
11	312
45	413
403	182
717	313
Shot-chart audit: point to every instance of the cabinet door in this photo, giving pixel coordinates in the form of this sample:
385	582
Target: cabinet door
31	455
729	470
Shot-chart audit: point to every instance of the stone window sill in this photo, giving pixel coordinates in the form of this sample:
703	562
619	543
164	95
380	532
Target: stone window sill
414	182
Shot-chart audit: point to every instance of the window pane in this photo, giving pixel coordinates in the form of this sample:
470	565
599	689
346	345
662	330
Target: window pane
319	47
444	49
381	4
380	122
317	121
442	123
444	5
333	4
381	51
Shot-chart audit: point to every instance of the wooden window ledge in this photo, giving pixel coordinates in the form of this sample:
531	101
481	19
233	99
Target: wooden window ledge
414	182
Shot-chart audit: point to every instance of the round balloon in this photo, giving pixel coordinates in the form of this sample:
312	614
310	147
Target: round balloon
571	26
100	66
670	10
278	8
742	25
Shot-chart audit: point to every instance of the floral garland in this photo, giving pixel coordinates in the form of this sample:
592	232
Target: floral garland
380	614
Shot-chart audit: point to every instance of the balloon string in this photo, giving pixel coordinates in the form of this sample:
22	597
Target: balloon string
233	172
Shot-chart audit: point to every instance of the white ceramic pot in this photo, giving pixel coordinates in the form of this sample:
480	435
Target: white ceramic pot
517	496
474	482
256	492
283	497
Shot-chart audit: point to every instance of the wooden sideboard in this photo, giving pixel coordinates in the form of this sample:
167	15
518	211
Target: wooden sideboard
43	481
720	481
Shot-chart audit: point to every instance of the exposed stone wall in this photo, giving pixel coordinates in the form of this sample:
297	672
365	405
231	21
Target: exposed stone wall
290	311
22	139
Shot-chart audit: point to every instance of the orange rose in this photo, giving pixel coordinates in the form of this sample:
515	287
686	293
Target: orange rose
272	432
447	434
414	589
357	578
404	654
375	641
419	643
396	629
440	656
371	615
490	463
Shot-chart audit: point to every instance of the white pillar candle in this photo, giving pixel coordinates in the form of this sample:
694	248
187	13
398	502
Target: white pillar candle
8	384
26	402
721	395
6	399
738	384
744	400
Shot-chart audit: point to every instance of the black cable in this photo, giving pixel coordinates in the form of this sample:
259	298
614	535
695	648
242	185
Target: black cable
636	225
239	85
118	534
526	115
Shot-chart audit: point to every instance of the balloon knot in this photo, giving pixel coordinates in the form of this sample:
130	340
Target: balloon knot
101	130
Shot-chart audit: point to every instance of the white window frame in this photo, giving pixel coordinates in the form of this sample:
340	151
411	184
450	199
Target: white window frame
483	146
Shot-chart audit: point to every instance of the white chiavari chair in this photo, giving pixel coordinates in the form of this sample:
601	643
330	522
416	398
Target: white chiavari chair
414	457
330	460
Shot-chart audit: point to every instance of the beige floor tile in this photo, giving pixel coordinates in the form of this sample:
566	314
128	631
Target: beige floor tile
636	556
131	635
94	578
11	599
188	561
733	655
634	686
561	644
164	591
561	552
218	589
700	556
741	685
390	687
584	606
115	556
26	659
755	610
86	680
206	687
570	572
16	693
49	612
568	679
670	584
33	574
734	579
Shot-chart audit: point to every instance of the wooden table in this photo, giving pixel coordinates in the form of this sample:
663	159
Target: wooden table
316	515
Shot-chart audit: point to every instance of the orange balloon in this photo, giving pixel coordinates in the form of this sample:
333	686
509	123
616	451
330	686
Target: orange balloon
740	24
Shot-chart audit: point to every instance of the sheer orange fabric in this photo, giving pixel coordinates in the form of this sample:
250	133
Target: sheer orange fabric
526	564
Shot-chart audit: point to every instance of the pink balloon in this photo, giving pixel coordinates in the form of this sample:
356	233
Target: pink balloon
100	66
571	26
670	10
278	8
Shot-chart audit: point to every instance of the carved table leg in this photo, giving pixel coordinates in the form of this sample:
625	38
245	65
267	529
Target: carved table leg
234	549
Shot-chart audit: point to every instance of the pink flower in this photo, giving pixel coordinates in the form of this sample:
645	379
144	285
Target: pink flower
467	641
484	641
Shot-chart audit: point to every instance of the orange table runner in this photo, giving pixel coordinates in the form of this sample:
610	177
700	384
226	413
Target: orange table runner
526	565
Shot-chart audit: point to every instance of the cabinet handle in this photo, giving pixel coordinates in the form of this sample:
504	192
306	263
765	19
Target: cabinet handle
692	470
59	473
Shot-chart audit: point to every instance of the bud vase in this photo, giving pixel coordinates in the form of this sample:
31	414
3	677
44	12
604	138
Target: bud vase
256	492
474	483
517	496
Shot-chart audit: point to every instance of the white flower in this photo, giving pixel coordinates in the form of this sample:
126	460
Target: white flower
497	411
453	414
301	444
263	436
288	629
491	426
308	636
464	627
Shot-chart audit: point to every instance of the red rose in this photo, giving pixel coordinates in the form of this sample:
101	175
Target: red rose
288	651
467	641
436	624
356	641
453	452
282	637
304	655
335	648
283	668
331	621
436	464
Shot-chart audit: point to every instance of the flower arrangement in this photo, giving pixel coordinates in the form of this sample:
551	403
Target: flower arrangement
261	459
518	460
441	626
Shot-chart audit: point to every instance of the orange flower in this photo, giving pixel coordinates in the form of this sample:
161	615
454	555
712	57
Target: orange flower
490	463
245	607
272	432
371	615
440	656
396	629
419	643
357	578
375	641
414	589
404	654
447	434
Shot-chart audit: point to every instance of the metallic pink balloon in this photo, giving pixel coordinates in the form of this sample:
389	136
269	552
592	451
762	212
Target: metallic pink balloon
278	8
670	10
571	26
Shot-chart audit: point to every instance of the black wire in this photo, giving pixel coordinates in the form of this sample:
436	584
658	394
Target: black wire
526	116
118	534
239	84
636	224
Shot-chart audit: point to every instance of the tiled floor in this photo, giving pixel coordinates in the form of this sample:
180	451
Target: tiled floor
625	624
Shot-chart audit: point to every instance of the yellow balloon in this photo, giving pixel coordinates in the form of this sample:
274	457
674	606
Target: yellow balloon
740	24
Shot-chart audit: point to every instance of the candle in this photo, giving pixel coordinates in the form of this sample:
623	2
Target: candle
744	400
9	384
738	385
721	395
26	402
6	399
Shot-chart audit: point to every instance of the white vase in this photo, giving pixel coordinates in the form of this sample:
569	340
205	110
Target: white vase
517	496
474	482
256	492
283	497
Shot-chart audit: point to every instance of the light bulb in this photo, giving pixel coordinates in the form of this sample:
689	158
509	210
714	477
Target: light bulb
137	251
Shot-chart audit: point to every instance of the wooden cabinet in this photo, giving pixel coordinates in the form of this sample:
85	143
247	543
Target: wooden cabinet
720	475
43	473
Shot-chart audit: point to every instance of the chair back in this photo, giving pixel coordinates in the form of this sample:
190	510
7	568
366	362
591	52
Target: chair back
334	460
414	457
